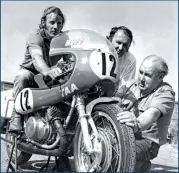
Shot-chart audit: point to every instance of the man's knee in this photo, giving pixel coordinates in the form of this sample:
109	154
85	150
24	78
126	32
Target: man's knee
24	79
146	150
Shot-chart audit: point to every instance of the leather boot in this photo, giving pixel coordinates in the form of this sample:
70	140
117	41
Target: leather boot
15	123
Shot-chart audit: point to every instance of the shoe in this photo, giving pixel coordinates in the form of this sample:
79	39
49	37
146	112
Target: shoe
15	124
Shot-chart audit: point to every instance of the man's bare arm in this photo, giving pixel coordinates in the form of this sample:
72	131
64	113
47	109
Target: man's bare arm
145	120
38	61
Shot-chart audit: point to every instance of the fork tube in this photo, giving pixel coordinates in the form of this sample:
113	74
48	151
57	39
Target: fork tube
91	122
83	121
70	112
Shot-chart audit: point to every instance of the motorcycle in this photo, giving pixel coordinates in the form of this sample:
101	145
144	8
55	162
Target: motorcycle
76	114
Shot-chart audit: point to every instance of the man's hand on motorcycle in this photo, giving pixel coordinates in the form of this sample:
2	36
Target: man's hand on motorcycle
128	118
54	72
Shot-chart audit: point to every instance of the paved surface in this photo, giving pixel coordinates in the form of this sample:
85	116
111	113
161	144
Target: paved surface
167	160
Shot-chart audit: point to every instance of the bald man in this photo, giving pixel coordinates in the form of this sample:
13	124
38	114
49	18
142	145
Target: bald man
148	104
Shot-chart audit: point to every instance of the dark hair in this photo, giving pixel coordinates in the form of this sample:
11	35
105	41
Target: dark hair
127	31
50	10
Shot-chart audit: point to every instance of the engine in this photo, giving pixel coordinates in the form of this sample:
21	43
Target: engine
38	129
41	128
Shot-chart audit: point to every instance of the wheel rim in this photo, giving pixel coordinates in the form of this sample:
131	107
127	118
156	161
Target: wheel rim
110	157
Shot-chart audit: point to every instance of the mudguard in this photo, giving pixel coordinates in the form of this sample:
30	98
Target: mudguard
7	105
90	106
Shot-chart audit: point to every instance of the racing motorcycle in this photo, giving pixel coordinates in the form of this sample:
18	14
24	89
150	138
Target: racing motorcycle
75	115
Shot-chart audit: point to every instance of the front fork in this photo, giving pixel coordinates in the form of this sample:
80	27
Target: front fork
86	120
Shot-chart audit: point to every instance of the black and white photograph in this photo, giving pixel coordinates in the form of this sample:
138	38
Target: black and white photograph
89	86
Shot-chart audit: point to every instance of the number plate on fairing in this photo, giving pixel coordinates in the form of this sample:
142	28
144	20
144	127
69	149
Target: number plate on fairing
104	65
24	101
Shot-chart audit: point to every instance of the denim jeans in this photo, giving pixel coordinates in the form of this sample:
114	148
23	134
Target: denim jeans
24	79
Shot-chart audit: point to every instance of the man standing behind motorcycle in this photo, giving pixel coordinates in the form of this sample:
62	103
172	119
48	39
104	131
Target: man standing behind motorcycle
148	104
121	38
36	58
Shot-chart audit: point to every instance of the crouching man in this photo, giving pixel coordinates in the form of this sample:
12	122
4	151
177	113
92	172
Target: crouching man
148	104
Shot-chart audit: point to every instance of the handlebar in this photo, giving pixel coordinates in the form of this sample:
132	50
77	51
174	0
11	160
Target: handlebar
47	78
45	81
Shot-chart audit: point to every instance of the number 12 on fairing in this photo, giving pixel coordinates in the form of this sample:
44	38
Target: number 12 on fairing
105	61
24	100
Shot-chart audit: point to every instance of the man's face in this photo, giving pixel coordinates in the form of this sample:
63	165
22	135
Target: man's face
54	24
148	77
121	42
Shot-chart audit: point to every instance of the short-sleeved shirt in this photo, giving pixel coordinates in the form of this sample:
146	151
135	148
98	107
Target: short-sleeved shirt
162	98
127	70
38	40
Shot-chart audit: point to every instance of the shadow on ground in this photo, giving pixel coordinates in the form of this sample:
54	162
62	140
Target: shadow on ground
36	165
163	168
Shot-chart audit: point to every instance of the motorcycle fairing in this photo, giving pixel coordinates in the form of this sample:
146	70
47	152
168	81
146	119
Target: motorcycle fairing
30	99
103	60
95	63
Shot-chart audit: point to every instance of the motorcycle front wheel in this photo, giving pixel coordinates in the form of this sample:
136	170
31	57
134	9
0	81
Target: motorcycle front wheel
117	143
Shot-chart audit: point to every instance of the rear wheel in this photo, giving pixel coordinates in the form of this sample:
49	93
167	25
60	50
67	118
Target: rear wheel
22	157
116	143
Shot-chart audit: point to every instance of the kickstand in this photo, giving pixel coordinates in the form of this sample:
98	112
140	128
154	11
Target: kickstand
45	166
10	165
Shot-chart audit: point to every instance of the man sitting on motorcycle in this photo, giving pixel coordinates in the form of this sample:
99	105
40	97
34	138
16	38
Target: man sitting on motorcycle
36	58
148	105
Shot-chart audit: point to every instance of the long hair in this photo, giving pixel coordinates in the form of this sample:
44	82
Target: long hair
50	10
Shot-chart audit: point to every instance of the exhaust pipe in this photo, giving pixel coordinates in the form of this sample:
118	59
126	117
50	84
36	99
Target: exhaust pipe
32	149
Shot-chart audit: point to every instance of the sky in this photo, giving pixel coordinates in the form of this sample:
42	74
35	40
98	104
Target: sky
154	25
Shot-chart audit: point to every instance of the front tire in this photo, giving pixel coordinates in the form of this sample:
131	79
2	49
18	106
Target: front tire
117	143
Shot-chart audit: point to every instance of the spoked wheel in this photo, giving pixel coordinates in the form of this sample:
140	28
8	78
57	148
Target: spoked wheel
22	157
112	153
